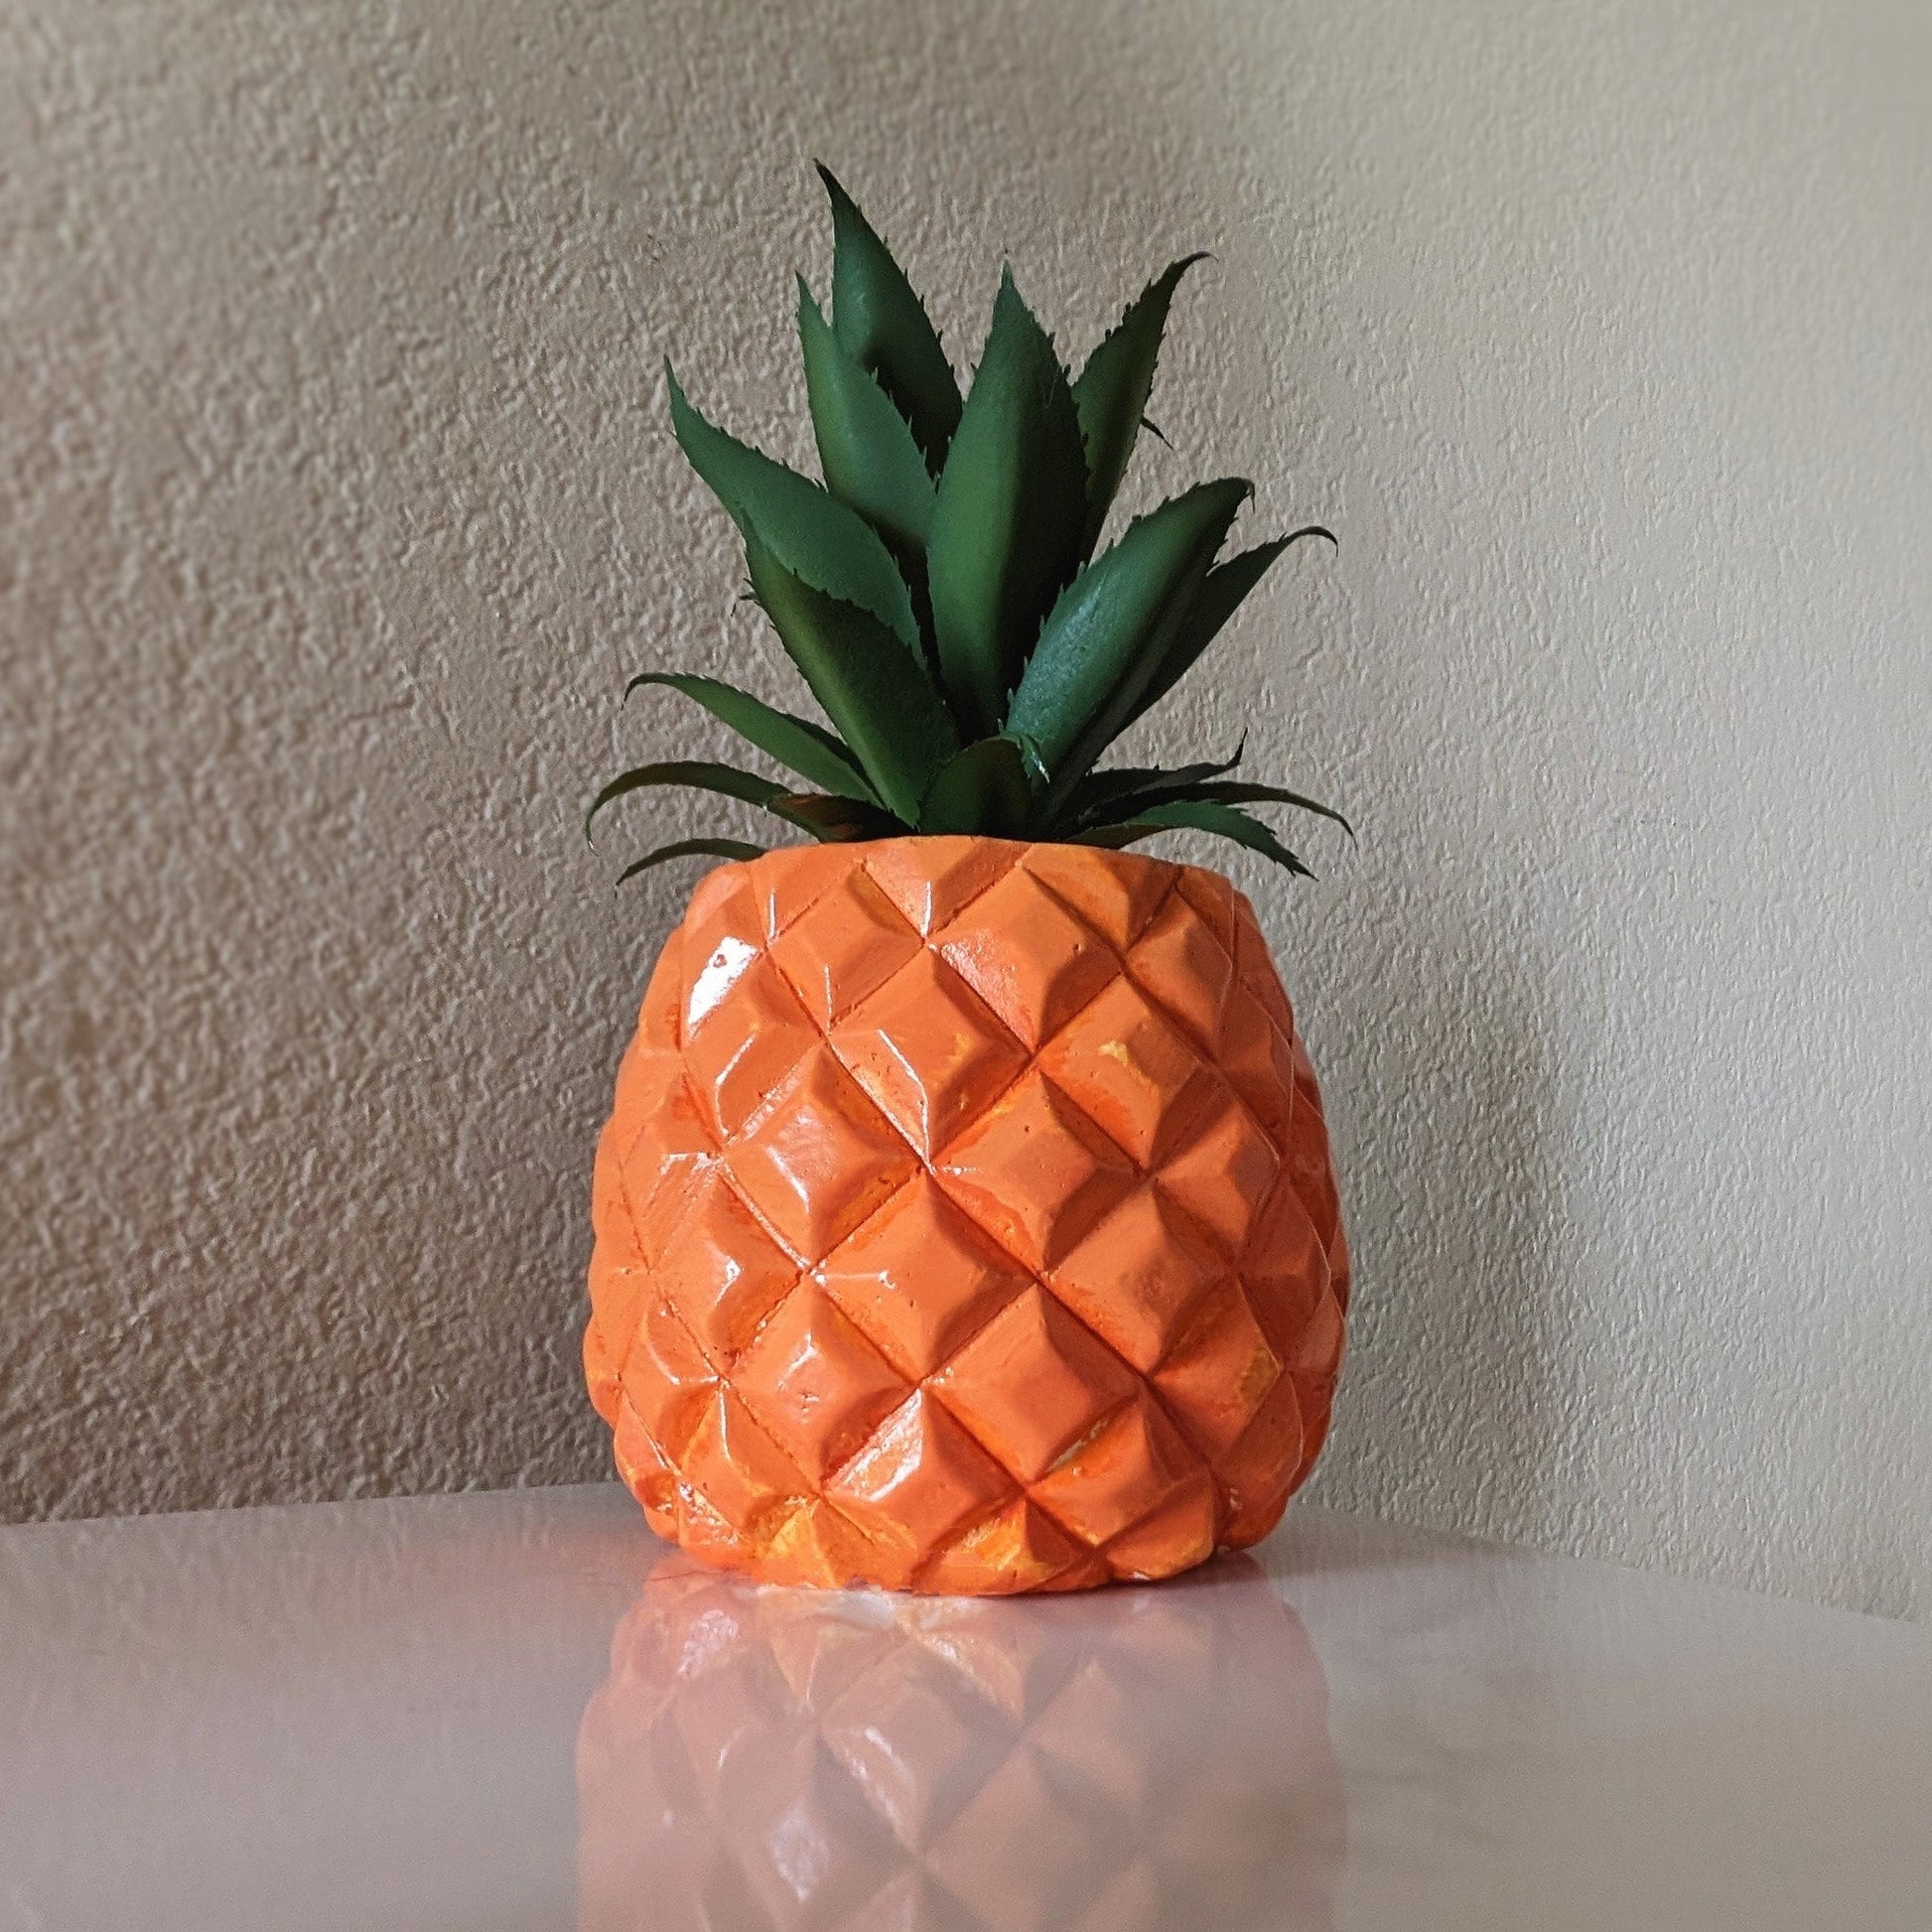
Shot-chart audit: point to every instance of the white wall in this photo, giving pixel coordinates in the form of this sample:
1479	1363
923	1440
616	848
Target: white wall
336	501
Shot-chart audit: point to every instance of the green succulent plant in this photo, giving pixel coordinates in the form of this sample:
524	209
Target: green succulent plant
940	594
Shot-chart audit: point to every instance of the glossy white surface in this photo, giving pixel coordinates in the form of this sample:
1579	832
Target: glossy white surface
521	1711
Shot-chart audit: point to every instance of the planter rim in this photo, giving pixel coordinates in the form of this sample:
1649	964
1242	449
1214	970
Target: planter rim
1108	855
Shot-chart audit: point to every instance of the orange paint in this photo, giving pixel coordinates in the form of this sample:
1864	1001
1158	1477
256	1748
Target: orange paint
965	1222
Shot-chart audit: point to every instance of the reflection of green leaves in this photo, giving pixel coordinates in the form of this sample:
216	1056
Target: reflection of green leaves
1007	525
691	849
797	743
884	324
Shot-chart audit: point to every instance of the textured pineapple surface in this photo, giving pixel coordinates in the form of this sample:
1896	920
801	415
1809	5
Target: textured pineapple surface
1137	1759
965	1222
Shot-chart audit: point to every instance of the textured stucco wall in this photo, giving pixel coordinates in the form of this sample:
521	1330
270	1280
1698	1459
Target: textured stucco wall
336	501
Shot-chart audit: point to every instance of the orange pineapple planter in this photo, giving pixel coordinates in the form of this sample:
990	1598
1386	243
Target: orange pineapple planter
965	1222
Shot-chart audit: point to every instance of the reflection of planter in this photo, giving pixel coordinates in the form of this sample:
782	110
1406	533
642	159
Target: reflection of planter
1124	1759
965	1222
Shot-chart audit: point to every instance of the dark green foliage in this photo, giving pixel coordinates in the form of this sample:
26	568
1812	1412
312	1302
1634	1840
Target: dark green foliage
1112	628
884	324
1008	525
865	446
814	536
1112	391
939	592
1238	792
691	849
876	693
701	775
1199	815
1221	591
1095	794
797	743
831	819
822	815
988	788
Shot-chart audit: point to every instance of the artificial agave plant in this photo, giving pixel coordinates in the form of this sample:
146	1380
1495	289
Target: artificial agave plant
945	592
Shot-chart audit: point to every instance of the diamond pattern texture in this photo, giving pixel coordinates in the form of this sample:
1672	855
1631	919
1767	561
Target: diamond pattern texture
802	1761
965	1222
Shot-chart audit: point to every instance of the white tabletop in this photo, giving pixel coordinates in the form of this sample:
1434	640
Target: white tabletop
523	1710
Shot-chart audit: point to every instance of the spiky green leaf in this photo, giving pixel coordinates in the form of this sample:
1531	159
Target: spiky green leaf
1093	798
1199	815
873	689
1008	524
837	820
988	788
822	542
1112	628
797	743
865	446
1219	596
1111	392
690	849
1238	792
700	774
1112	838
878	317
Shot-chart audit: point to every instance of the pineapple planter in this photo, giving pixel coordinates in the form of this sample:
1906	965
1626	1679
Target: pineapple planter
964	1220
